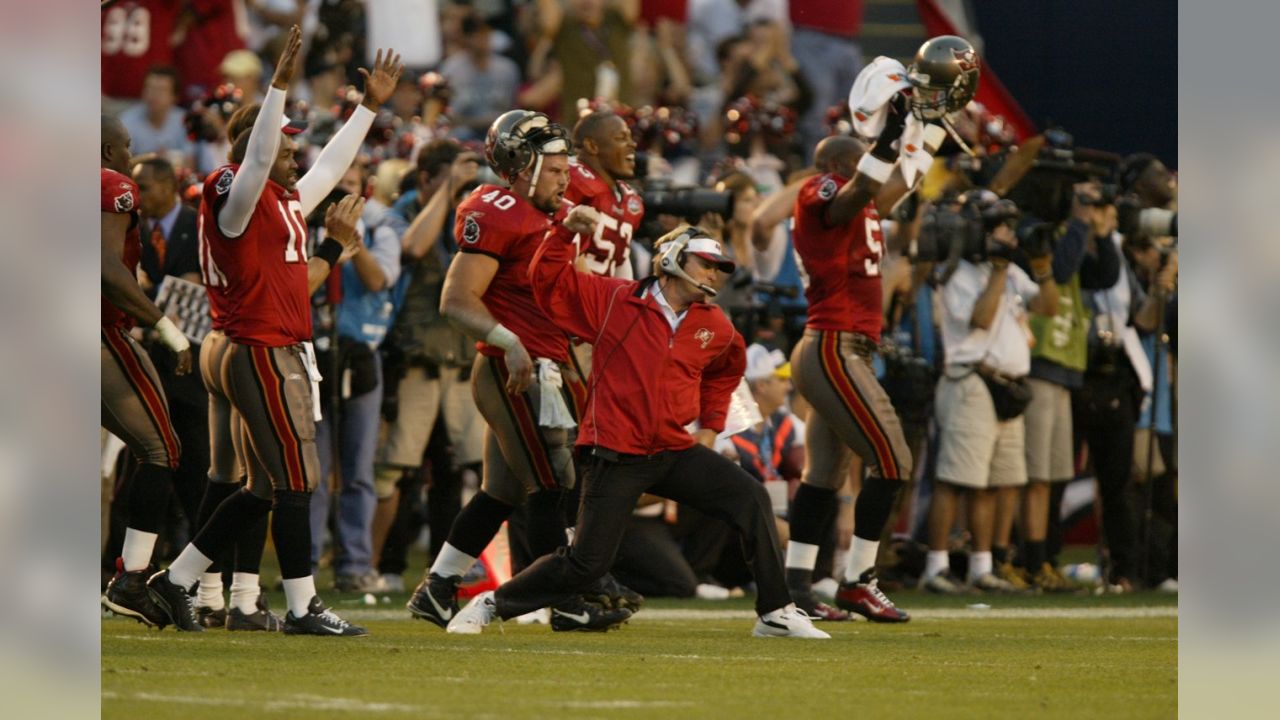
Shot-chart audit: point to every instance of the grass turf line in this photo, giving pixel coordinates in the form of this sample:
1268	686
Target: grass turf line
935	668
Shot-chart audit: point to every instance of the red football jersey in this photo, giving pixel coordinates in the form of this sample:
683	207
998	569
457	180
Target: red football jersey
135	36
257	282
840	265
620	215
120	195
496	222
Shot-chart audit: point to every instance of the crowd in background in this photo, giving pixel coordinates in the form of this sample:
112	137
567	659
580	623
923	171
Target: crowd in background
725	95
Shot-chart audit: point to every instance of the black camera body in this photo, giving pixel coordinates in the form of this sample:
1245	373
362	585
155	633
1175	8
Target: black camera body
948	234
689	204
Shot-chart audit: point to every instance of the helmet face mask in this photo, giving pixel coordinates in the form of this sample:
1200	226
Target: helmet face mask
518	138
944	77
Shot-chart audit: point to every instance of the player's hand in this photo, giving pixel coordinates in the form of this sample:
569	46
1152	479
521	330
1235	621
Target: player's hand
519	369
582	220
706	437
340	223
288	62
464	169
379	84
184	362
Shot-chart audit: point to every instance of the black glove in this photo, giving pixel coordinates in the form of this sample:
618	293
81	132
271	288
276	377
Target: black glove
894	124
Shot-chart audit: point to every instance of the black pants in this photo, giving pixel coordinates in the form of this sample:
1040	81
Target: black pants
1105	410
697	477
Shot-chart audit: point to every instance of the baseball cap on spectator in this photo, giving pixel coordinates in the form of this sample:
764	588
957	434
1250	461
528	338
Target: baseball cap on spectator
763	363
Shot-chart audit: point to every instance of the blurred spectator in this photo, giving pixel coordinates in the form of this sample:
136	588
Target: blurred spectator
824	40
157	124
734	233
711	22
982	395
590	42
336	48
206	124
659	70
484	82
361	301
773	450
428	360
207	30
243	69
266	20
135	38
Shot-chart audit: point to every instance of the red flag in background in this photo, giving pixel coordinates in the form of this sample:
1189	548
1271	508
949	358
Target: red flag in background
991	92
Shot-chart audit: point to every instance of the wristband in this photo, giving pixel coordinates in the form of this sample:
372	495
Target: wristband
875	168
934	136
501	337
329	251
170	335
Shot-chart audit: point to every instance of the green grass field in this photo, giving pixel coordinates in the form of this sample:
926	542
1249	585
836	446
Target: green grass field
1072	657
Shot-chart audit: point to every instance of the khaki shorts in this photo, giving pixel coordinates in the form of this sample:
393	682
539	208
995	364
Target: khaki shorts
1050	448
423	400
975	449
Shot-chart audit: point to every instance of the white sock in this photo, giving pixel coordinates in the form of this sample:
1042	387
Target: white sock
138	546
801	556
210	593
298	593
979	564
186	569
936	563
452	562
244	592
862	557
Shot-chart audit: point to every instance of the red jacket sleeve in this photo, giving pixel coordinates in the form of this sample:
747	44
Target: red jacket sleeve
577	302
719	380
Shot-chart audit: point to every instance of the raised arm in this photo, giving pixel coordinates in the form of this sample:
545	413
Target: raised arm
342	238
773	210
264	144
338	154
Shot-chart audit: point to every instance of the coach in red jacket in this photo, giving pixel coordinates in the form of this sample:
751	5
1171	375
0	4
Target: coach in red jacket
663	359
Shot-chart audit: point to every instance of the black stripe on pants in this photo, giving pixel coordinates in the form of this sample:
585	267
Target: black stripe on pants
697	477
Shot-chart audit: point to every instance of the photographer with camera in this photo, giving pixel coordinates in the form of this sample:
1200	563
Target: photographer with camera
1119	373
983	391
1083	259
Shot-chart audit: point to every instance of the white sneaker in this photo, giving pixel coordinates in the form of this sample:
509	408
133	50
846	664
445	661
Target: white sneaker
788	622
991	583
537	617
471	619
707	591
392	583
1170	585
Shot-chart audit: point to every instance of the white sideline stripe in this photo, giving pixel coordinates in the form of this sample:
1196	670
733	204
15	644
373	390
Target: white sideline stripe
671	614
303	702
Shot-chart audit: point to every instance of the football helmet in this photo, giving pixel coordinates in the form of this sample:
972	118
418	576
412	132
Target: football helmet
518	139
944	77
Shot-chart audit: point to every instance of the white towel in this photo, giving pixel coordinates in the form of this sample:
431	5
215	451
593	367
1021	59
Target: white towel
869	100
313	373
552	411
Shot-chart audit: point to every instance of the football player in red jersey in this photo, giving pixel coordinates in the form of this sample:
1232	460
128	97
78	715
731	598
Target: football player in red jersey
839	243
606	156
259	279
523	381
134	407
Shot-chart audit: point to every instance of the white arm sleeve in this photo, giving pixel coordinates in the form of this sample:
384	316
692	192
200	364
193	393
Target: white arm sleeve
334	160
251	178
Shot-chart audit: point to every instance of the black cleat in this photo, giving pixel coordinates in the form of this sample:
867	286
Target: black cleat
320	620
210	618
584	616
613	595
127	596
175	601
435	599
260	619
